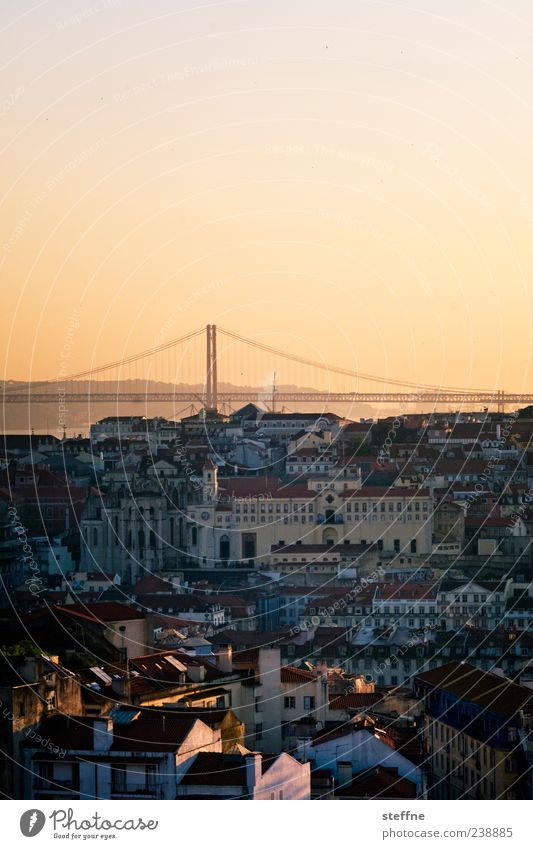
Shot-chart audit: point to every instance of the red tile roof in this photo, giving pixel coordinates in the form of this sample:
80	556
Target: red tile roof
268	487
406	591
293	675
101	611
386	492
380	783
354	701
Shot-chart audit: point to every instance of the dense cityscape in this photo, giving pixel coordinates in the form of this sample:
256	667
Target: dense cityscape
269	605
266	436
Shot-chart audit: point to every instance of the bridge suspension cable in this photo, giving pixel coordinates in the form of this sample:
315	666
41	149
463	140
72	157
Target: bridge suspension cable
348	372
116	364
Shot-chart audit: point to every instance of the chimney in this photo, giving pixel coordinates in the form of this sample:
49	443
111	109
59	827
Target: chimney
322	669
344	773
225	659
196	673
102	733
254	770
120	685
30	669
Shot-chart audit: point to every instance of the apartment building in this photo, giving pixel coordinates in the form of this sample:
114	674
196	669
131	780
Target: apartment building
476	729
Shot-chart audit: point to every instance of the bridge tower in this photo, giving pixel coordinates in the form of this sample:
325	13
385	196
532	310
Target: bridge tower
211	378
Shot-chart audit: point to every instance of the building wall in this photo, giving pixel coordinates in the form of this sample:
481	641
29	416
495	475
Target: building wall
395	523
286	779
133	638
463	766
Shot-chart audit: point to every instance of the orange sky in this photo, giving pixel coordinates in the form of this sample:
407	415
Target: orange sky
351	179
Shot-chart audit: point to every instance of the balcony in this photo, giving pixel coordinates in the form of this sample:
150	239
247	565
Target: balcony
329	520
137	789
55	785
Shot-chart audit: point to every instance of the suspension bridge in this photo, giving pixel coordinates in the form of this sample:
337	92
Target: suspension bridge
188	369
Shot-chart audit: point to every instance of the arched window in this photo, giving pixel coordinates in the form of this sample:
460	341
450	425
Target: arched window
141	539
95	536
224	547
194	536
152	539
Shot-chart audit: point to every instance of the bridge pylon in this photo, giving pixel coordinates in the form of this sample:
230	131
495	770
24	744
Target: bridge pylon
211	377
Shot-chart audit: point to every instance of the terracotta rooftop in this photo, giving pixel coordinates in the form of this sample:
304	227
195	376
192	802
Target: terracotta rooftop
293	675
100	611
380	783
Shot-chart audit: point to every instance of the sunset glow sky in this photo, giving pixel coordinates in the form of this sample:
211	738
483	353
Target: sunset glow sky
352	180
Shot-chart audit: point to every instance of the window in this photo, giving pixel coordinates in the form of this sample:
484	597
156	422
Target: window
118	773
258	730
413	546
150	775
289	702
309	702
